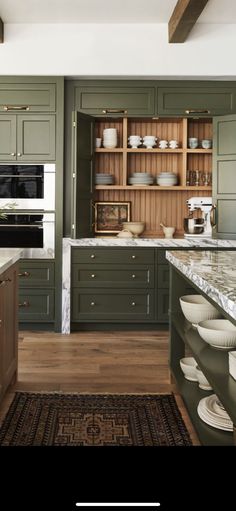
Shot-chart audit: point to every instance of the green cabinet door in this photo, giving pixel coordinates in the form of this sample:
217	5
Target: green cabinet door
115	100
36	305
197	100
7	137
36	137
32	97
82	175
224	177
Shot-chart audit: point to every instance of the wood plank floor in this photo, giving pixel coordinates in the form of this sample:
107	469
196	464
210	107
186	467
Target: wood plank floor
95	362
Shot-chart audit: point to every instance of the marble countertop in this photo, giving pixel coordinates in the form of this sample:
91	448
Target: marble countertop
150	242
213	272
8	256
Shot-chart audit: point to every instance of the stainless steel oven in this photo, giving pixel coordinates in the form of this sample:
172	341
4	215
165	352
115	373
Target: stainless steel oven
28	186
32	231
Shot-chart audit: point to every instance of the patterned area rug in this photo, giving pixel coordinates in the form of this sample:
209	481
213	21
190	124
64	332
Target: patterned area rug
93	420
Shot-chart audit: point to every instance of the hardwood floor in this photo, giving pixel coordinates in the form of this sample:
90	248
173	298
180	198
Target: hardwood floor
95	362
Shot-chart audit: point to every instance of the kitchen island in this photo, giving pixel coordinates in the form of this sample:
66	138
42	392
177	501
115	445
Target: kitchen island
8	317
113	258
212	274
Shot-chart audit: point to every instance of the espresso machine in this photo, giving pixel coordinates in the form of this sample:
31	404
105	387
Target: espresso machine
198	227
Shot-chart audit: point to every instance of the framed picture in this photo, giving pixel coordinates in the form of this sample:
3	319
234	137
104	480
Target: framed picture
109	216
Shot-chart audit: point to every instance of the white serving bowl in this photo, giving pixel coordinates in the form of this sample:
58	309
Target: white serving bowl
188	366
135	227
219	333
196	308
203	383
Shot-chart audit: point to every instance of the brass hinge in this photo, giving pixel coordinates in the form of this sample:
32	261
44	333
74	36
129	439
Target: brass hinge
73	227
74	124
73	175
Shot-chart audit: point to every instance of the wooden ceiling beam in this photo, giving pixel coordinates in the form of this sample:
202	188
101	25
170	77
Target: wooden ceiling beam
183	18
1	31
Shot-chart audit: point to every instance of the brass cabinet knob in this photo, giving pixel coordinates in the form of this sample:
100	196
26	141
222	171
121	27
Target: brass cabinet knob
92	304
24	274
19	154
92	256
133	304
133	256
13	154
133	276
93	276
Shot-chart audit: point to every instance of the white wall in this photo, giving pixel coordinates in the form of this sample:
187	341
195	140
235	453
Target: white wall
117	51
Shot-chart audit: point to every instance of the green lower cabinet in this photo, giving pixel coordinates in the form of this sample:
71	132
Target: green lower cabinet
163	276
163	305
121	305
36	273
125	276
36	305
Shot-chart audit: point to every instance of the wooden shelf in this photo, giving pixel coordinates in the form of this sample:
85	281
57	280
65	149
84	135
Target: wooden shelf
154	150
199	151
105	150
153	188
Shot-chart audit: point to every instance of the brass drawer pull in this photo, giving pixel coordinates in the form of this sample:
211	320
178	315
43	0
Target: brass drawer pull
92	304
196	111
24	274
16	107
133	276
133	256
133	304
4	282
92	256
93	276
114	111
24	304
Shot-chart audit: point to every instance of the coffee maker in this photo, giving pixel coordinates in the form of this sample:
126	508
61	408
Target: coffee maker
198	227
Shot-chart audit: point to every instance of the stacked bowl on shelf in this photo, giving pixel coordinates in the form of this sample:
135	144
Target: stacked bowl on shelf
167	179
104	179
110	138
140	179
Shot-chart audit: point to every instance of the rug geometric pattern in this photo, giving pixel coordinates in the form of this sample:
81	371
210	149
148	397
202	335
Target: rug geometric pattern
46	419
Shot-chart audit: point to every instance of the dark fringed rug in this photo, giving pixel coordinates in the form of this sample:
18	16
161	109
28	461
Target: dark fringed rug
55	419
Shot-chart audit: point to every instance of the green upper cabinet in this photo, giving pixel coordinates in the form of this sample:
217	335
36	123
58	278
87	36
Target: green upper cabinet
31	97
114	100
27	137
197	100
224	177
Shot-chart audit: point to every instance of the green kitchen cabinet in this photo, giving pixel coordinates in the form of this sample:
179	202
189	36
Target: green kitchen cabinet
27	137
196	99
224	177
115	100
96	276
28	97
36	291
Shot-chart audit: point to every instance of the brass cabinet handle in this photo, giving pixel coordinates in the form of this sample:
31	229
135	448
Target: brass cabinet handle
24	274
24	304
16	107
114	111
92	304
213	216
196	111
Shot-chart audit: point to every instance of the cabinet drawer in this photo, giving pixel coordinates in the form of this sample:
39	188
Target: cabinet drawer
104	276
102	100
32	273
214	100
36	305
163	275
36	97
163	305
113	305
113	255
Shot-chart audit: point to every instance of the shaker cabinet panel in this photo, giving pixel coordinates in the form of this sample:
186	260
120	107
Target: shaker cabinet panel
32	97
36	273
36	137
102	100
7	137
204	101
36	305
110	276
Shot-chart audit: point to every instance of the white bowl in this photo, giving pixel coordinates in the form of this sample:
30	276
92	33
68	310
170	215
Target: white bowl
196	308
135	227
219	333
203	383
188	366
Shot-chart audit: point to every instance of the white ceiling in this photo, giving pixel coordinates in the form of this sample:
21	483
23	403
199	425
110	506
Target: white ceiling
107	11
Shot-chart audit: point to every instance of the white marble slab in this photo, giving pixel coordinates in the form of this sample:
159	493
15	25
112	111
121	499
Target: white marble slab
8	256
119	242
213	272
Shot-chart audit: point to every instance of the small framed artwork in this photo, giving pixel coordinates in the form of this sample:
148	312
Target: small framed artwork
109	216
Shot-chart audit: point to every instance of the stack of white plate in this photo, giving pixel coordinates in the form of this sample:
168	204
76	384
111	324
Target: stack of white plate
211	411
104	179
167	179
140	179
110	138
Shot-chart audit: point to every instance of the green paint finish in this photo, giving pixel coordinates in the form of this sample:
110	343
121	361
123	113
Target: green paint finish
224	176
36	273
117	305
163	276
36	137
36	305
113	100
118	255
206	100
119	276
163	305
7	137
36	97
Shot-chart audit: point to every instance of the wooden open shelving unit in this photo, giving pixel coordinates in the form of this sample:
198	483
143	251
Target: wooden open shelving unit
154	204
